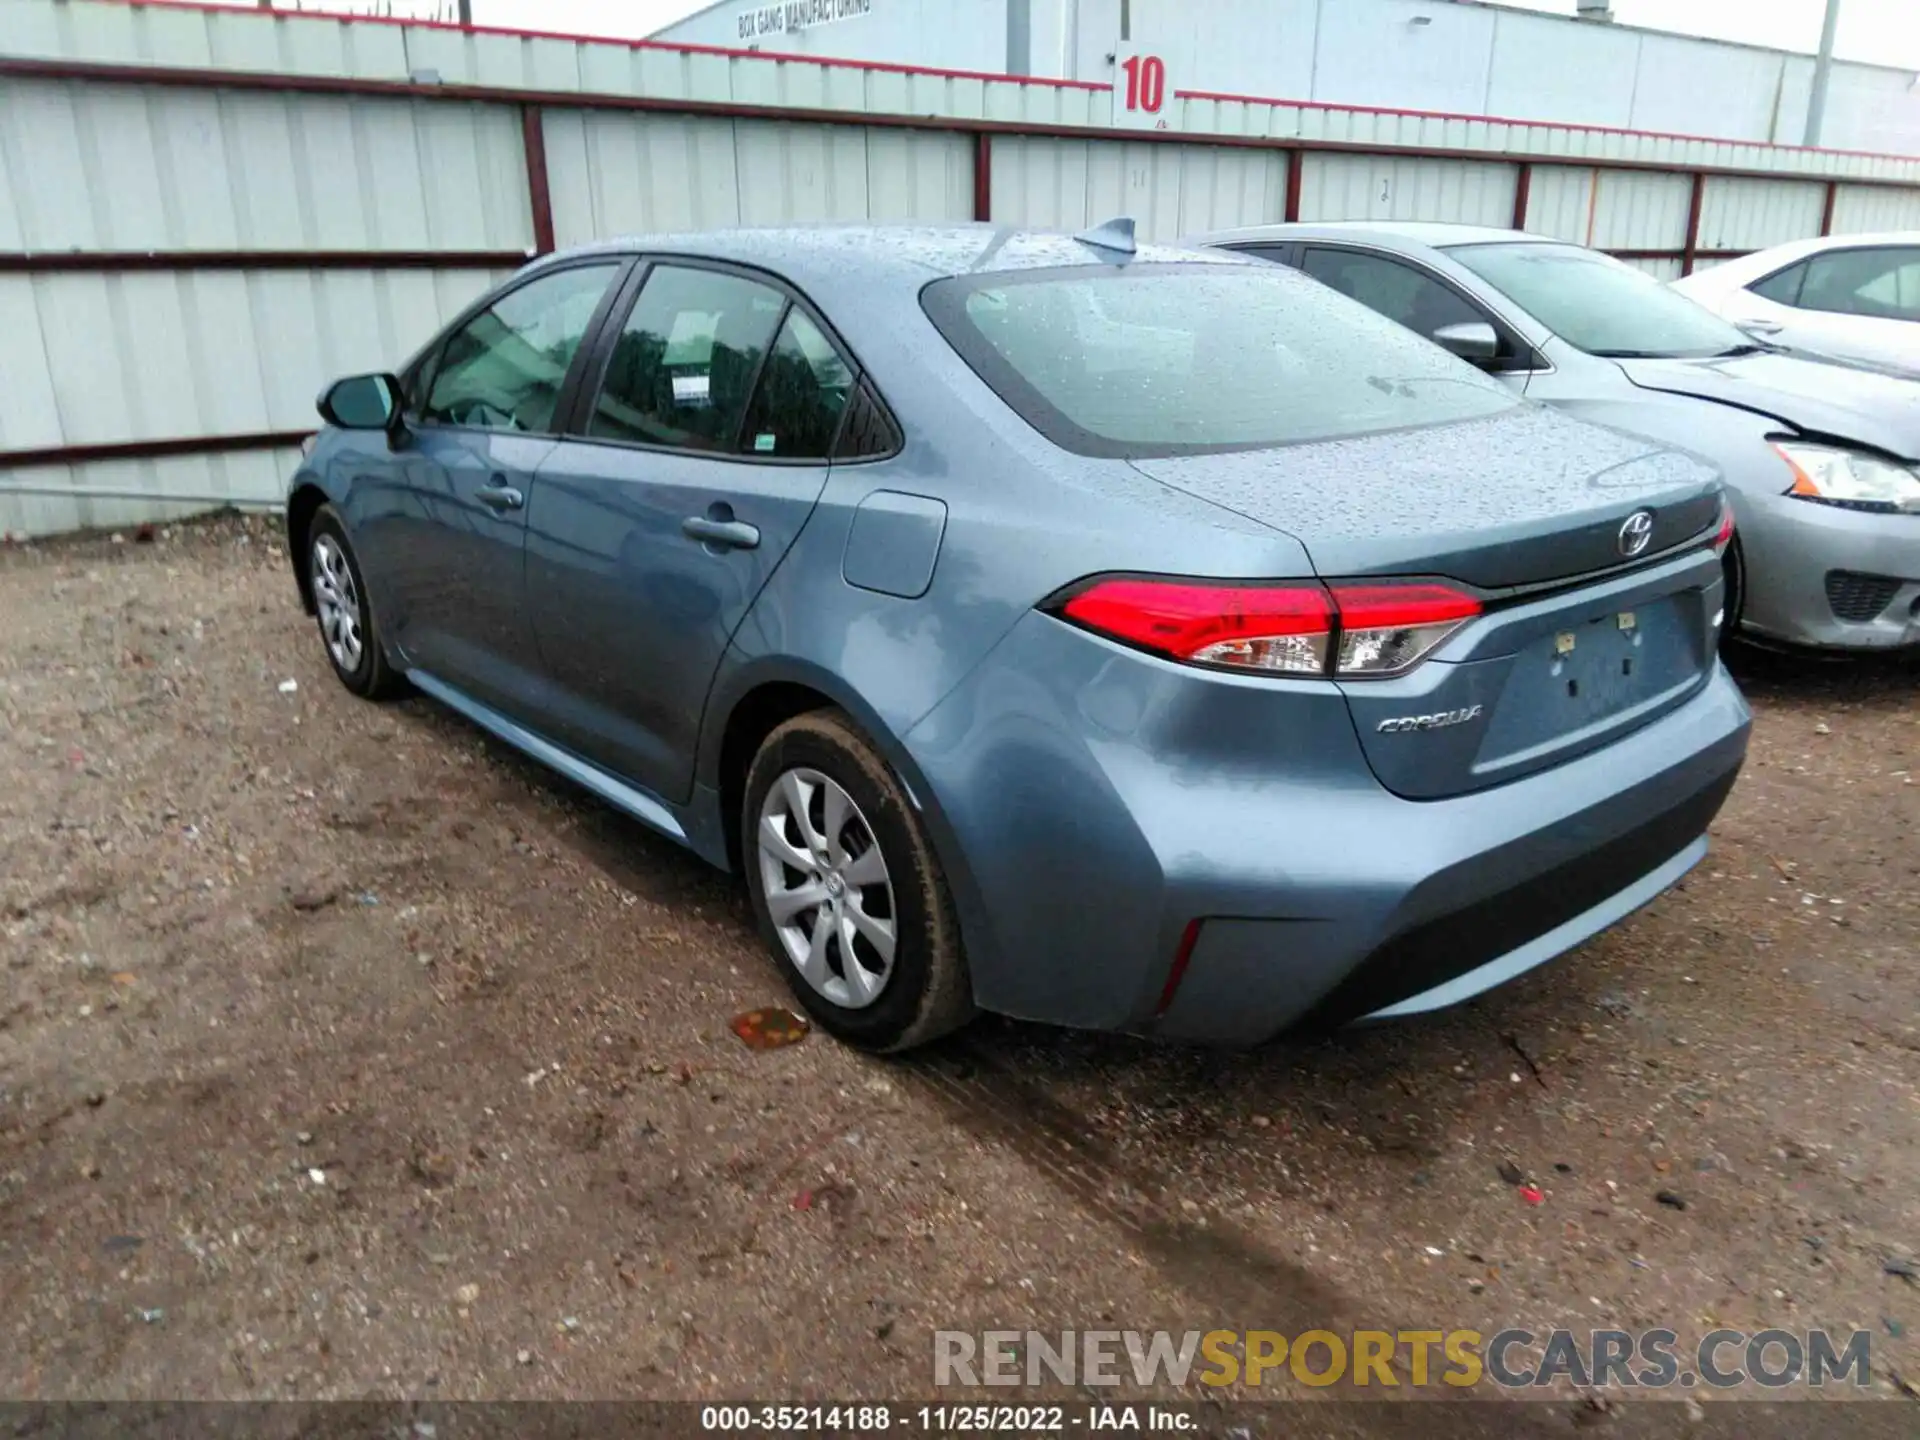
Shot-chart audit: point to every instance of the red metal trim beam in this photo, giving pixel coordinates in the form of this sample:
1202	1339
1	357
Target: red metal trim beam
498	95
44	262
1826	210
983	176
151	449
533	132
1694	207
1522	194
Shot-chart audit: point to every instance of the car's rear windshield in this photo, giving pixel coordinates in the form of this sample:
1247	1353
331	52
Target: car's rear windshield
1181	359
1597	304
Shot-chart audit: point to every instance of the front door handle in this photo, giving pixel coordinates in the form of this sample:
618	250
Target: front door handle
723	534
500	497
1762	327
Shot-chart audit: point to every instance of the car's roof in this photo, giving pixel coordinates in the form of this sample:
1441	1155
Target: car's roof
1436	234
834	256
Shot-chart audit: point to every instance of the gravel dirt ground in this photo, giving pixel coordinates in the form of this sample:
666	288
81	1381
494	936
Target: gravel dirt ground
343	1053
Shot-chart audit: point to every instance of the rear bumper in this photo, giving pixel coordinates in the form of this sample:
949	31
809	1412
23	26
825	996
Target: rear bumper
1791	547
1322	897
1490	916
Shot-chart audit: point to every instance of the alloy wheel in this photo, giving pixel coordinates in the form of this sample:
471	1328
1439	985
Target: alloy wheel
337	599
827	888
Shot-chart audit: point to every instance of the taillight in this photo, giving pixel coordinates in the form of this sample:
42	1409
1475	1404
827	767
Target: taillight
1281	628
1385	629
1350	631
1723	537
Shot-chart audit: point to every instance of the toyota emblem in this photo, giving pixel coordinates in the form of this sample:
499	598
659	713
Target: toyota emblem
1636	533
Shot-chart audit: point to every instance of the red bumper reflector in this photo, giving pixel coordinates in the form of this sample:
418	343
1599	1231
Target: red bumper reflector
1181	956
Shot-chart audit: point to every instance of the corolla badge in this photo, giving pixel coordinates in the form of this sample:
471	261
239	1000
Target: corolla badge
1636	533
1438	721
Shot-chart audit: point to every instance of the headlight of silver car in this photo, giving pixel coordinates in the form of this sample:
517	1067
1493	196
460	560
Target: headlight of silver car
1851	478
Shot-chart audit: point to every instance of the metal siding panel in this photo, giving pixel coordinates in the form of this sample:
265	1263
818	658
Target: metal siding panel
190	155
253	479
1382	187
1223	187
794	173
29	411
87	358
1860	210
1640	210
1559	201
1040	182
261	170
919	175
172	168
627	173
1170	190
147	355
1753	214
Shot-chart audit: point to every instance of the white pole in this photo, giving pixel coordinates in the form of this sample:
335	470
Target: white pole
1817	101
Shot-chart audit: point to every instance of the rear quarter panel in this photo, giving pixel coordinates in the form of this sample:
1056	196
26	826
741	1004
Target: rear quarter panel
1023	520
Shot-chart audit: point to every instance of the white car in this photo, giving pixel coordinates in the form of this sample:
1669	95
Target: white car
1847	297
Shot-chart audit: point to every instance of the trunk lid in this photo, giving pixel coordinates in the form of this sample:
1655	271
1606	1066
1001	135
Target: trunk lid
1577	645
1524	497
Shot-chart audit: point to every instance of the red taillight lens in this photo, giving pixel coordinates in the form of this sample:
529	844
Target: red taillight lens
1724	536
1356	631
1280	628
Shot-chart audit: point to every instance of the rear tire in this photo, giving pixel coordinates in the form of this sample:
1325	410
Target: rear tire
847	891
349	633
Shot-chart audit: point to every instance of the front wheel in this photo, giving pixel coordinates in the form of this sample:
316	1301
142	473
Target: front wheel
344	612
847	891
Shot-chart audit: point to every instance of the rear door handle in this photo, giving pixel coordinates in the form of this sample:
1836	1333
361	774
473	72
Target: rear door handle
1761	327
500	497
726	534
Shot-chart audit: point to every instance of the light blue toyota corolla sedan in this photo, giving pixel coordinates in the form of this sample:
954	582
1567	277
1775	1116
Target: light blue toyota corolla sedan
1120	637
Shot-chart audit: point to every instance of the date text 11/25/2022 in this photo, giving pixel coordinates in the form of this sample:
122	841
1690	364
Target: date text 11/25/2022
874	1418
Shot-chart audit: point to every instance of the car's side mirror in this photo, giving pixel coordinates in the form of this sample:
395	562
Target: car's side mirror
1472	340
362	402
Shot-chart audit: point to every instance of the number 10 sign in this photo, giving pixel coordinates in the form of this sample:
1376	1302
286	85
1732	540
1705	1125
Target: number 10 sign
1142	98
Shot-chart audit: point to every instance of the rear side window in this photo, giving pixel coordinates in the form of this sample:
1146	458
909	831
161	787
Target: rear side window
1386	287
1153	360
686	360
803	390
1881	283
503	369
1782	288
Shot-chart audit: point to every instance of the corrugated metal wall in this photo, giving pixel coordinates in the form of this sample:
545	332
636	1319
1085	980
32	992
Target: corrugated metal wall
627	173
1742	214
149	167
105	358
1859	210
302	234
110	494
1170	190
1404	187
